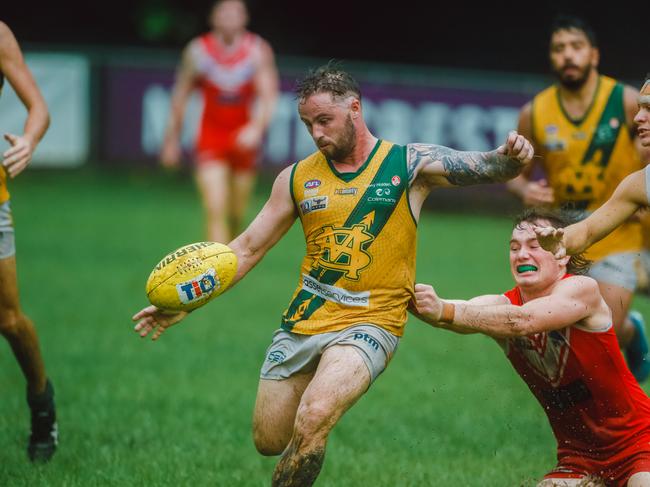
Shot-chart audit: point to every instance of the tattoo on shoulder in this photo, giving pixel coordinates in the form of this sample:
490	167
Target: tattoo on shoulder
462	168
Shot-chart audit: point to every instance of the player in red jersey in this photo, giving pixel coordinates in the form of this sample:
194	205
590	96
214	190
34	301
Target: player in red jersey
236	73
556	330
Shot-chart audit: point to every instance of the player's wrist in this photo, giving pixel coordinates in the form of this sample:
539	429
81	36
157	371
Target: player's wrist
447	313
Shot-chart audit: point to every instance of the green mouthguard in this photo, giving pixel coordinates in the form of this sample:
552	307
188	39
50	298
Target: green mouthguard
526	268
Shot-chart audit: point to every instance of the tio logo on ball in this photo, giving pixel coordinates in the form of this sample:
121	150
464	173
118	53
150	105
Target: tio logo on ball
199	287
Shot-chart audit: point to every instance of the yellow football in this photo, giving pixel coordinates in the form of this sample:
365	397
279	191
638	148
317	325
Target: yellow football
191	276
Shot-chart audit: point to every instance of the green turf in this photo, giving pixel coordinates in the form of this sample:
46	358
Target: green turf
449	411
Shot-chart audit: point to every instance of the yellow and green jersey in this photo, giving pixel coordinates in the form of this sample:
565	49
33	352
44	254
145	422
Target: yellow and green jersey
586	159
361	240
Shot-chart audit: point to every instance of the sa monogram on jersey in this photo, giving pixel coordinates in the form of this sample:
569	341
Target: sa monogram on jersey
343	249
360	236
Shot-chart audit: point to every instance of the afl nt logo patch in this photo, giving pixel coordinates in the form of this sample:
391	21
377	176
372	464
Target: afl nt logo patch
312	183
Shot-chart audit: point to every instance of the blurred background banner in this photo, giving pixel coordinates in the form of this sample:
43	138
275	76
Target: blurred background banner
121	101
469	115
64	80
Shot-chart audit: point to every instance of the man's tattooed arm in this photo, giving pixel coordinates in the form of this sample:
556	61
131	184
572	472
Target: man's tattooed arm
459	168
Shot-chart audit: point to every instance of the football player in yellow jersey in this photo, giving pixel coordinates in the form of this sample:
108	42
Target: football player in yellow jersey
584	131
358	199
14	325
631	195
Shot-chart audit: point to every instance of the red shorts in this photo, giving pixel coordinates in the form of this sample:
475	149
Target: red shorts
220	146
615	471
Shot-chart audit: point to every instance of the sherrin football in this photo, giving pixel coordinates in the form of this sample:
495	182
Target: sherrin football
191	276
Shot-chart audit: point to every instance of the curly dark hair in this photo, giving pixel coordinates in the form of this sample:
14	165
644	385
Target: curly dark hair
578	264
329	78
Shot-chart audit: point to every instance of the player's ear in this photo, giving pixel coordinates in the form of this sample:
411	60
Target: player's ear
355	108
595	57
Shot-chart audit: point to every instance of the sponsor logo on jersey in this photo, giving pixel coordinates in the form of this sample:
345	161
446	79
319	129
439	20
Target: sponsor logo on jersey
550	129
605	134
310	192
395	180
383	193
553	144
346	191
366	338
276	356
312	183
313	204
334	293
343	249
199	287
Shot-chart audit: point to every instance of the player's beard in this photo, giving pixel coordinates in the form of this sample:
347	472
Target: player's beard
340	149
573	83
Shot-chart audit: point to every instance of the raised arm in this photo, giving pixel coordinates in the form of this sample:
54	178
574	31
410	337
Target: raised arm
630	195
436	165
170	153
13	66
270	224
572	301
531	193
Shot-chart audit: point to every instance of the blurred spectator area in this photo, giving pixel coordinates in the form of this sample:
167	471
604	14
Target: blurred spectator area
109	107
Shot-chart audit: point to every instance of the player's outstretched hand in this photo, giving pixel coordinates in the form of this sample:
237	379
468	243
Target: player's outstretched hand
517	147
427	306
153	319
16	158
552	240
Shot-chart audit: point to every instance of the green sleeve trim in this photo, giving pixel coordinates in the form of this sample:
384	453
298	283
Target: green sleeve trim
293	196
405	176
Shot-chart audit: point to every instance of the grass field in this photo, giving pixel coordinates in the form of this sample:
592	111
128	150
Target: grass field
449	411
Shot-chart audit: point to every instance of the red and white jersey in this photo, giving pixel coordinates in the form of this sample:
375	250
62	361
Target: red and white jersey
225	76
580	378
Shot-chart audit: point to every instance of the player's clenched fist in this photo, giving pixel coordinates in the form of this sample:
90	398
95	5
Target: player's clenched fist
517	147
427	305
